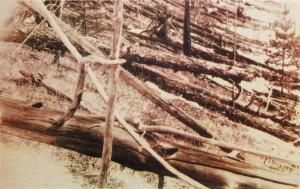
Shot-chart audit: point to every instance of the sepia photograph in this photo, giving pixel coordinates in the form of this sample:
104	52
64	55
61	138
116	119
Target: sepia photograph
150	94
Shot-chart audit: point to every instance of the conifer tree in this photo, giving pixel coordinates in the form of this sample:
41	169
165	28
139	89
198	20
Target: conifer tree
285	48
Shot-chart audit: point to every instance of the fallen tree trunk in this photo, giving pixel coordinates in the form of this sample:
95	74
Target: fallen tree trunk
220	55
178	113
242	102
42	10
216	102
182	63
182	116
221	70
208	28
135	83
20	119
196	66
211	56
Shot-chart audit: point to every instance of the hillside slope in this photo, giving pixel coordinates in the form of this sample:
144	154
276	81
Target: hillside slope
201	85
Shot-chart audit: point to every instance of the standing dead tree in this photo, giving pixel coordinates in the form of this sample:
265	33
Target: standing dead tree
234	34
113	78
187	43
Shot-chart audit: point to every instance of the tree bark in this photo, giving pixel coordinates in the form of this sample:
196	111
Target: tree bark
204	67
187	43
216	102
138	85
22	120
179	114
77	97
111	105
39	7
234	34
221	55
167	60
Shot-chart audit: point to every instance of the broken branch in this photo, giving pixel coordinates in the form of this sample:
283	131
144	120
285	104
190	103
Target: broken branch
76	100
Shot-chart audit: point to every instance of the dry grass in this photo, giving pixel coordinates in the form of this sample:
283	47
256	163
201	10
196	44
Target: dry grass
130	103
84	170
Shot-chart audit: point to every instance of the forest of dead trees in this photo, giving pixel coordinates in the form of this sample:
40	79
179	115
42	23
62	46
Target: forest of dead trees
189	37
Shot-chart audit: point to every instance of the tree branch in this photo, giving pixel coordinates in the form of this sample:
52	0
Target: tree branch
76	100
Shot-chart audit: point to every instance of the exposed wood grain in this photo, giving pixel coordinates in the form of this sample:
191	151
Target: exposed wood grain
21	119
117	23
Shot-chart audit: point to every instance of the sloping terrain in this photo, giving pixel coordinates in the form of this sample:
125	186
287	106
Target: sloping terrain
228	101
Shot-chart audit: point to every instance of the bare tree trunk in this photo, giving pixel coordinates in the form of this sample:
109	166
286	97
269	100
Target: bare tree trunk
84	17
161	180
62	3
234	36
282	70
113	77
187	46
215	102
217	171
227	20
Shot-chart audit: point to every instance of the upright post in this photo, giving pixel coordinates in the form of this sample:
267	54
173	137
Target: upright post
113	79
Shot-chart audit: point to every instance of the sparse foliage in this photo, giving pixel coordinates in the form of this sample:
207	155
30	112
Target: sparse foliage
285	48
